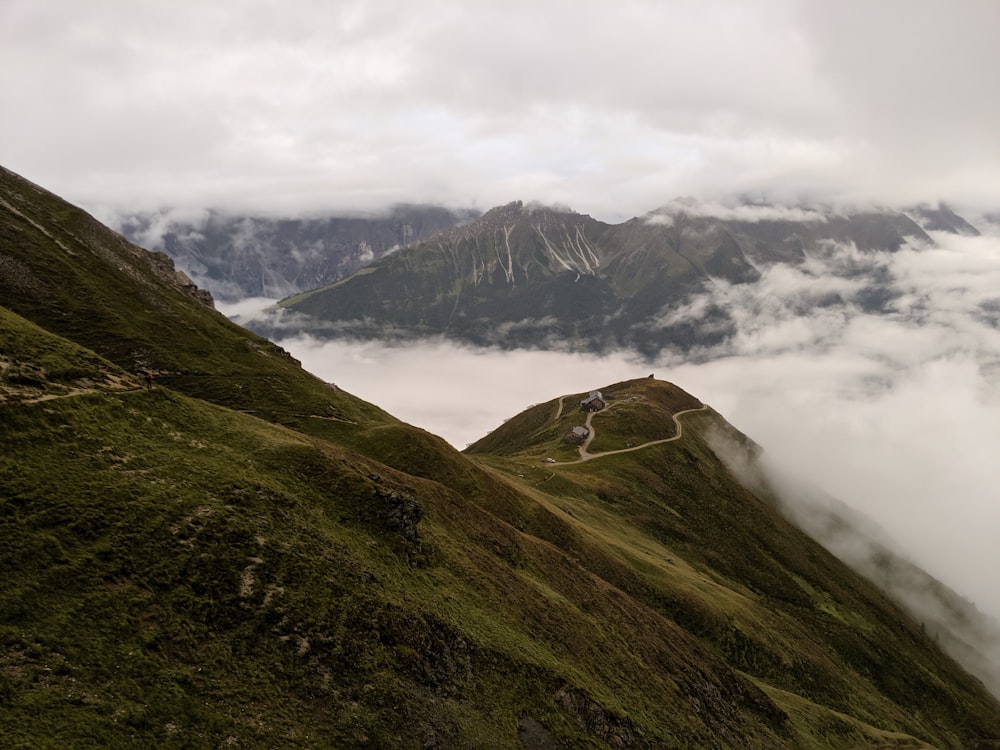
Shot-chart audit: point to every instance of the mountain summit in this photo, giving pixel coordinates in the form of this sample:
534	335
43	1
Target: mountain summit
206	546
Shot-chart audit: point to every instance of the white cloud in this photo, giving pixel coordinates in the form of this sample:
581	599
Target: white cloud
898	413
457	392
245	310
162	223
613	110
733	212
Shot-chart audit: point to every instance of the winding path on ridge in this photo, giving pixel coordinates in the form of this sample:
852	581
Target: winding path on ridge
585	455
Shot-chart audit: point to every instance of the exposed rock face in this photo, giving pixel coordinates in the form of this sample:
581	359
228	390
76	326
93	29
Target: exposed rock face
614	730
400	513
164	267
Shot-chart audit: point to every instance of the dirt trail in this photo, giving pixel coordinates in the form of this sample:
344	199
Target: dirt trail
585	455
22	395
103	382
559	411
52	396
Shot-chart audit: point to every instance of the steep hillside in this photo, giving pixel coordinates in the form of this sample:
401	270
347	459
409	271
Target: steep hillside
64	271
241	555
540	277
651	487
37	366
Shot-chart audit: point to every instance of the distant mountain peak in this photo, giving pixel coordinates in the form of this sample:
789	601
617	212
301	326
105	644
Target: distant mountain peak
522	208
941	218
517	214
533	275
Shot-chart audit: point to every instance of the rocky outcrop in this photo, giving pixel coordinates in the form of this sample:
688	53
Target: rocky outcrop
616	731
399	513
163	266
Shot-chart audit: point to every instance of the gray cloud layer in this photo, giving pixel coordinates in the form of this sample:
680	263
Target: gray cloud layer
613	109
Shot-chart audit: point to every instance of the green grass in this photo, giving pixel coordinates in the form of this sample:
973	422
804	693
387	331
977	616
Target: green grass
253	579
176	570
664	505
35	364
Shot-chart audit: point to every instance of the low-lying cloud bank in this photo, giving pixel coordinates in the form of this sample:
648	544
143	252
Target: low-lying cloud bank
877	378
732	211
453	391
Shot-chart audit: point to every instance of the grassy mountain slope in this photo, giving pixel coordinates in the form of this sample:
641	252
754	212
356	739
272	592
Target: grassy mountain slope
64	271
719	559
36	366
244	556
513	264
269	597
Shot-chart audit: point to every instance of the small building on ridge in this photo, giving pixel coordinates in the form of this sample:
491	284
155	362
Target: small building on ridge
594	402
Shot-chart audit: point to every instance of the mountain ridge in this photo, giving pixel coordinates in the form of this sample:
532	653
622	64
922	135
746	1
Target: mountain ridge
238	256
546	278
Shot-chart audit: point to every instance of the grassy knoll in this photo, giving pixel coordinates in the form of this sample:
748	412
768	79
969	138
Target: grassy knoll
35	364
668	525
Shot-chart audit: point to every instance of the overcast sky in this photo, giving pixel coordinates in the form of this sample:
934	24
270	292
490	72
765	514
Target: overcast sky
611	108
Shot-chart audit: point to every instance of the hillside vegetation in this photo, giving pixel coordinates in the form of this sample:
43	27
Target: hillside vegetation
243	555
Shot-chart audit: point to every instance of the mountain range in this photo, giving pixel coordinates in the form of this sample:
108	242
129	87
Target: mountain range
532	276
238	256
205	545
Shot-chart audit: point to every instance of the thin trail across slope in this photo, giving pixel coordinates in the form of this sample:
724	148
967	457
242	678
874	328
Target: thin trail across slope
585	455
559	411
117	386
